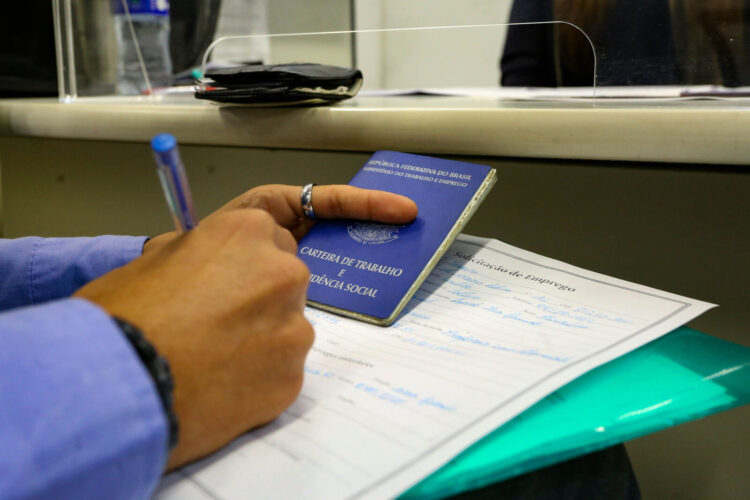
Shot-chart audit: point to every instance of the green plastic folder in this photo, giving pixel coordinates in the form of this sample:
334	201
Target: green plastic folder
682	376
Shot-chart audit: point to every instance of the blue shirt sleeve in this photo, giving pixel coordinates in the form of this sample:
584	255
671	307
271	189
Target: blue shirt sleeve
36	270
80	416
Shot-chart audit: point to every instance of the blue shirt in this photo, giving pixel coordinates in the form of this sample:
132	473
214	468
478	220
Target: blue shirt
79	414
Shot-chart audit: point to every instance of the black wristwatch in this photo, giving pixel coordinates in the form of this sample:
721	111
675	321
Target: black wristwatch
158	368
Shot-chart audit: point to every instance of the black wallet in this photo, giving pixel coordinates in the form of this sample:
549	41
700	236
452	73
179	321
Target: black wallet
281	84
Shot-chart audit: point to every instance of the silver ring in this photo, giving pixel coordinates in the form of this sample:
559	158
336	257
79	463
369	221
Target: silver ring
306	199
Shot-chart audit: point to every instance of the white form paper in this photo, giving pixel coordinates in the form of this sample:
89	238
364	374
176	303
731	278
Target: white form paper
493	330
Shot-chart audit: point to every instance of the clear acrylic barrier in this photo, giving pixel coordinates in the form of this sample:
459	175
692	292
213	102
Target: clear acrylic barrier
645	50
676	43
92	35
438	58
456	60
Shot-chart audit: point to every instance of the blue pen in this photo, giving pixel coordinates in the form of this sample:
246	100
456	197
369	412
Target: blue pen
174	182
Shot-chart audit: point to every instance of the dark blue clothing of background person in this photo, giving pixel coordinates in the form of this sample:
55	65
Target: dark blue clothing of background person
634	46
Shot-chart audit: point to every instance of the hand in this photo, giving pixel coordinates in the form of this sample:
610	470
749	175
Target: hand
330	202
224	304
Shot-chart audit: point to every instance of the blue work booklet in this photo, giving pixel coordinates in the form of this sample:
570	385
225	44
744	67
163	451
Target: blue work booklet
369	271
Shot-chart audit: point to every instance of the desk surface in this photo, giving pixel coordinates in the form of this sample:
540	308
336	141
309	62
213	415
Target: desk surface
695	132
681	230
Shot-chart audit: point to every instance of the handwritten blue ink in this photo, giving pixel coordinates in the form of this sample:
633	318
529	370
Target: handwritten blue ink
434	403
562	322
517	317
464	302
